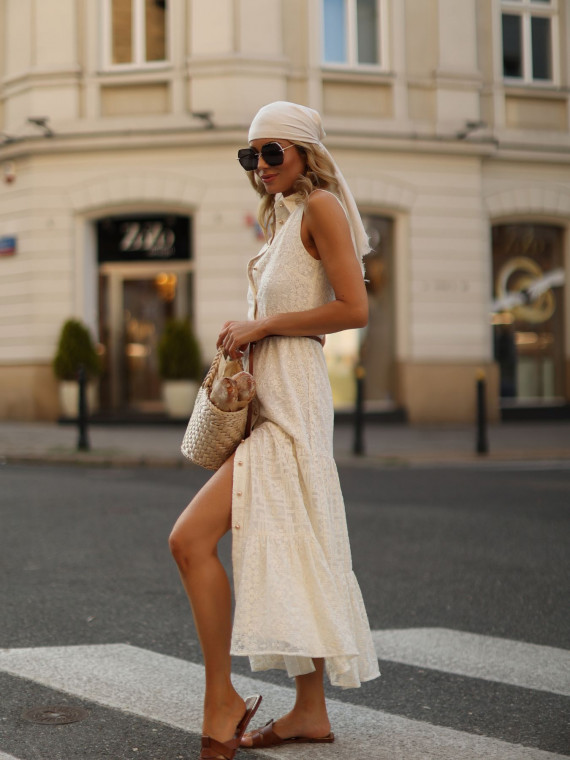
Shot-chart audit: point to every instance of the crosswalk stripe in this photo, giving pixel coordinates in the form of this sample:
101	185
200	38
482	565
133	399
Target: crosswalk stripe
4	756
163	688
469	654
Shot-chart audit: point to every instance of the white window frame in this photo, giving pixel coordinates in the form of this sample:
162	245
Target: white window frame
351	40
525	9
138	31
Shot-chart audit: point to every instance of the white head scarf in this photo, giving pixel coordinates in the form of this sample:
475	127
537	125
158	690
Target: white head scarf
296	123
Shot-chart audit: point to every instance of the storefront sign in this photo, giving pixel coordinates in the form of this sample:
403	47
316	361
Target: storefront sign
7	246
149	238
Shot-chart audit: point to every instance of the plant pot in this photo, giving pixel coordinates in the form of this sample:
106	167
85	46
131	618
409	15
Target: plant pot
179	397
69	398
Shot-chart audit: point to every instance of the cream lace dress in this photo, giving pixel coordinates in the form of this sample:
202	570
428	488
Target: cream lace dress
296	594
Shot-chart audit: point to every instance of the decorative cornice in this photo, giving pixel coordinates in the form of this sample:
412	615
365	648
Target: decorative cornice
166	132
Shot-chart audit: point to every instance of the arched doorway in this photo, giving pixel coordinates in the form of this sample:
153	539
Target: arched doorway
379	346
374	347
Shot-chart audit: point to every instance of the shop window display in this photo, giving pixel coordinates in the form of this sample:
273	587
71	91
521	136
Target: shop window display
528	312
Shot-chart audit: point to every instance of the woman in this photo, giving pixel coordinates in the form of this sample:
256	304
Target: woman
298	605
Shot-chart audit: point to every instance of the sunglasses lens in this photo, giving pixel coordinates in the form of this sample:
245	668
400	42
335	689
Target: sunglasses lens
272	154
248	159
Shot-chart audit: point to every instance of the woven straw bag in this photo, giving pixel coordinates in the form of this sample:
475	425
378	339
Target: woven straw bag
212	435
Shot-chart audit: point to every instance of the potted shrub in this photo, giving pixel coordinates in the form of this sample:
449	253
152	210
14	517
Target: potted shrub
75	348
180	367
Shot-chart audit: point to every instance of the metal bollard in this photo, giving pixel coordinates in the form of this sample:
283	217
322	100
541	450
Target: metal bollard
358	446
83	440
482	445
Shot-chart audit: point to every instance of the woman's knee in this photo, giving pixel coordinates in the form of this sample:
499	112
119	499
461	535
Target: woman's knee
184	547
191	541
177	545
205	520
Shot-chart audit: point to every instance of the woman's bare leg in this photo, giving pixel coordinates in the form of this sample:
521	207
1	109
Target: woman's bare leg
193	543
309	716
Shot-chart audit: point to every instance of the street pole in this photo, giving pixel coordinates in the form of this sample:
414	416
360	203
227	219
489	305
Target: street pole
482	445
358	447
83	440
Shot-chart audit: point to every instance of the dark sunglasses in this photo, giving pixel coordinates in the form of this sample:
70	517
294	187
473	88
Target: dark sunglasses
271	153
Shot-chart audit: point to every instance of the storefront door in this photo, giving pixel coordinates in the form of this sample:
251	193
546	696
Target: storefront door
133	310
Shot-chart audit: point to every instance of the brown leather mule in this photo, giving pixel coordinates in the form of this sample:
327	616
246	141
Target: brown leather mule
212	749
266	737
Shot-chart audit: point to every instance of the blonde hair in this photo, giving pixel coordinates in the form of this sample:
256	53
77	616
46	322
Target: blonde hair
319	173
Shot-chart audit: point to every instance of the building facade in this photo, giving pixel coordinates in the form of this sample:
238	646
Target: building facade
122	204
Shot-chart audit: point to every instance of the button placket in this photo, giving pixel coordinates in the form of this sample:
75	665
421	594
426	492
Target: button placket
237	496
282	212
252	265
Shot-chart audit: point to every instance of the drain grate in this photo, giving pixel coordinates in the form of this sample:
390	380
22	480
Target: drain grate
55	715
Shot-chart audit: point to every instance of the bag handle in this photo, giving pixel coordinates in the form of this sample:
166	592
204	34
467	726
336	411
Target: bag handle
213	371
250	405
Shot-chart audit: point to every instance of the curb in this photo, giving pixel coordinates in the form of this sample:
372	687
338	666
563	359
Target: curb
394	461
80	459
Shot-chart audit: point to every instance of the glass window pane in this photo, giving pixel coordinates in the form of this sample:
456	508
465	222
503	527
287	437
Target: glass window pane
155	18
541	48
529	342
367	25
122	34
334	31
512	46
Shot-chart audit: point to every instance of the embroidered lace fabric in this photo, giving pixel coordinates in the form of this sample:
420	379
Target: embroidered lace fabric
296	594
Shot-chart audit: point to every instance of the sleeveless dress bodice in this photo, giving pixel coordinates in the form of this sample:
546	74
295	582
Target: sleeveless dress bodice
296	595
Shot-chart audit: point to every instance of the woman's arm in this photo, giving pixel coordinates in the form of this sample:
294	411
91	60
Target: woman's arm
328	231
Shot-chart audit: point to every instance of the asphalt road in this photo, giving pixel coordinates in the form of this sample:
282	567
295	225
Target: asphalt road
84	561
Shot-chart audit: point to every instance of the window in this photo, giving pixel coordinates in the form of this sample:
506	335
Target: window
529	35
529	312
135	32
354	32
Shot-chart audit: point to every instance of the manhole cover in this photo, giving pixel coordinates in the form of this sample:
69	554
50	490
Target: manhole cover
55	715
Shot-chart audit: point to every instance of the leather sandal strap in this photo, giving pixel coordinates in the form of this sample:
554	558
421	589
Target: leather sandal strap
266	736
212	749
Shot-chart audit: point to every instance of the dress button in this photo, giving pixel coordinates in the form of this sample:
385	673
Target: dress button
237	527
240	463
239	493
281	221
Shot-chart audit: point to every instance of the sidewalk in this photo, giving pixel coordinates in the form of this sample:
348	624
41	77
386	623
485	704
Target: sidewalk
386	445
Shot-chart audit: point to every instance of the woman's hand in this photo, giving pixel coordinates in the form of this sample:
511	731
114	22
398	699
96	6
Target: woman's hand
235	337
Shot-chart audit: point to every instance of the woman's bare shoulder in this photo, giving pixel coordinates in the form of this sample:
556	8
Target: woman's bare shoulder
322	204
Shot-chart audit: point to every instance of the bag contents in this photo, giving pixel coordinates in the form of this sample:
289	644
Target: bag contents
233	393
